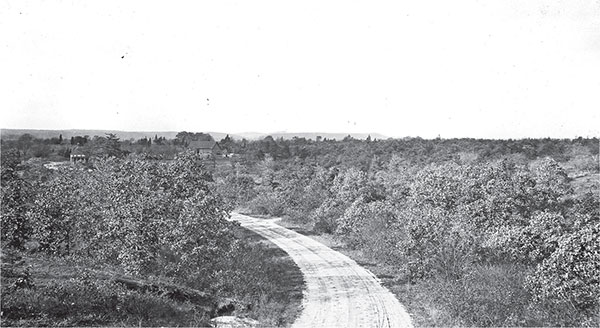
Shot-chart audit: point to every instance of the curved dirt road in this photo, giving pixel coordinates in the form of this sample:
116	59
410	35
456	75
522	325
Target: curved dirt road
339	292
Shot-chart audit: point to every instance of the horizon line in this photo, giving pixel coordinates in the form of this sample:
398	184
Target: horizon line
265	134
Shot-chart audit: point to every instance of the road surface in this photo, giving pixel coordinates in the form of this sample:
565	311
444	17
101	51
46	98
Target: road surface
339	292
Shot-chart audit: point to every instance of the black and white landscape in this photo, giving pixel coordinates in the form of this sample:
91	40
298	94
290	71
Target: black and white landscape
309	164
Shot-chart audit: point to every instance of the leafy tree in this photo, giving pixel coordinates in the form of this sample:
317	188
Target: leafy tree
228	144
237	188
25	142
16	194
183	138
572	272
54	214
79	140
111	146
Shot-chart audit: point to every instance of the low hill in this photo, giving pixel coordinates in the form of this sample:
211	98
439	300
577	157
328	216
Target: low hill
125	135
314	135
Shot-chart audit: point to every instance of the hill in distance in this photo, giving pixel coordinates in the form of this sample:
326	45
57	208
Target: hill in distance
313	135
126	135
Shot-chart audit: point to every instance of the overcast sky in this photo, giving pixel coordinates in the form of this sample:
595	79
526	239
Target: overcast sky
494	68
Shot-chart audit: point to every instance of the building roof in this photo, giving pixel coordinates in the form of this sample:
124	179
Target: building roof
202	144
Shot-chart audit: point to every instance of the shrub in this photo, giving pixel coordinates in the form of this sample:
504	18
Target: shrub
572	272
485	296
530	243
587	163
551	184
367	226
267	203
325	218
237	189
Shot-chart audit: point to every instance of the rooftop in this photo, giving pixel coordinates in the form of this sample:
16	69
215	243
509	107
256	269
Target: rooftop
202	144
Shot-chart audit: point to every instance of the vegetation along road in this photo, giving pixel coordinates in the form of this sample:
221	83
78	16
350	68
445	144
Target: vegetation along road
339	293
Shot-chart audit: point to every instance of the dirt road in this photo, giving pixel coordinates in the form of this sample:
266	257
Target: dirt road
339	293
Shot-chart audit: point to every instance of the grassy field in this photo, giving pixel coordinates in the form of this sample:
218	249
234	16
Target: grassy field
45	291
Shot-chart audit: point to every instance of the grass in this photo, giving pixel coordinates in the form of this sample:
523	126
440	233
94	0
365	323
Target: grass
272	285
39	290
43	291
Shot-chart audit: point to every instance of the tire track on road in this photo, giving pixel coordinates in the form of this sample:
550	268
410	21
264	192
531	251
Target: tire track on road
339	292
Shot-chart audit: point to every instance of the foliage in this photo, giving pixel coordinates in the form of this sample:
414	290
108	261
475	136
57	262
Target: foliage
54	215
455	213
236	189
366	225
530	243
146	218
133	213
16	193
462	220
572	272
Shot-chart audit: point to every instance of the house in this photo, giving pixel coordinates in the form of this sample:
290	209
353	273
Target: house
210	148
77	155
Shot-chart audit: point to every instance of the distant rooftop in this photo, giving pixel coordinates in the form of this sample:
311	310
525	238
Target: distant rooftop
202	144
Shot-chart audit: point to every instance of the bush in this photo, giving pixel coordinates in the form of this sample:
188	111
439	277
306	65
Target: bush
530	243
432	241
485	296
586	163
367	226
236	189
572	272
267	203
325	218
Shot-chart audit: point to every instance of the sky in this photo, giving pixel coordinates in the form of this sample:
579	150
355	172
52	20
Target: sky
483	69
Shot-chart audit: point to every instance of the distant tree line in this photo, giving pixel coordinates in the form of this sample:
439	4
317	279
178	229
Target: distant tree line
347	153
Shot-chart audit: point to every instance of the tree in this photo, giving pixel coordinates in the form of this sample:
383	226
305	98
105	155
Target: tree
108	146
228	144
16	194
79	140
142	215
572	272
25	142
54	214
183	138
